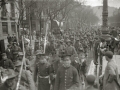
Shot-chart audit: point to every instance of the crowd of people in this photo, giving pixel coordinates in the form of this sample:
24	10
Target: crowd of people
63	66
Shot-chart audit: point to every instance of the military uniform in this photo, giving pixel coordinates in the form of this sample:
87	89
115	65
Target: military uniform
54	68
43	72
26	78
10	74
6	63
67	78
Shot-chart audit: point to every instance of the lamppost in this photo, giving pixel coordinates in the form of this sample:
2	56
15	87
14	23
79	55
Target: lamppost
105	31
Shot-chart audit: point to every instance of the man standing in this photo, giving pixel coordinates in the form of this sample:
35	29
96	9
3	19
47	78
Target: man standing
70	50
6	63
10	83
26	77
67	76
9	52
54	68
42	71
111	76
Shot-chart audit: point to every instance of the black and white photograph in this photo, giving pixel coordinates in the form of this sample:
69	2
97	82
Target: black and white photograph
59	44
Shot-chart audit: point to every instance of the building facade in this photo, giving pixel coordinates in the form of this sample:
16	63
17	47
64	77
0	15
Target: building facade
8	18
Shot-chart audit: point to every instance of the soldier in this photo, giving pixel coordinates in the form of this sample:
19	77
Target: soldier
26	63
42	71
28	51
70	50
10	83
9	52
6	63
26	77
54	68
111	75
67	76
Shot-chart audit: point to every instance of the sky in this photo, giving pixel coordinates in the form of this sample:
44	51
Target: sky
113	3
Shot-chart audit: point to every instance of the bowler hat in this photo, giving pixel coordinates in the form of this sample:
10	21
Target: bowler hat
90	79
109	54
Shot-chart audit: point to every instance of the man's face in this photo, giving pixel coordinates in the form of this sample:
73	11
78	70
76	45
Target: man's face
43	60
10	82
20	57
67	62
18	68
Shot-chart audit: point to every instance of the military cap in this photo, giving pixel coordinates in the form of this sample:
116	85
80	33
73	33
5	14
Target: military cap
18	63
68	40
77	39
10	73
38	52
109	54
64	56
3	54
90	79
15	53
20	53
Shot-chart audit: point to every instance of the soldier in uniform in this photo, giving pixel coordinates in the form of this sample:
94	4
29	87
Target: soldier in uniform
26	63
54	68
67	77
70	50
6	63
28	51
10	83
9	52
26	77
42	71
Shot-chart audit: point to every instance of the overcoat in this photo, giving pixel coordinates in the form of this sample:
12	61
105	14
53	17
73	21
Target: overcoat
111	77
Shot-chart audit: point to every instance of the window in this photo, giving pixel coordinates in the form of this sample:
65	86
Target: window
13	27
12	10
4	11
5	27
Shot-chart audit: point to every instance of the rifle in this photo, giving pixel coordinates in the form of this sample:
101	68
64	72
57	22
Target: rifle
23	60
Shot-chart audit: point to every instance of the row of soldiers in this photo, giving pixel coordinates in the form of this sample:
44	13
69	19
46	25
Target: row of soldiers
10	67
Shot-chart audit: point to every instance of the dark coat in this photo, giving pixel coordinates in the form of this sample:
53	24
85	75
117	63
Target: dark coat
27	80
110	75
67	78
7	64
70	50
5	87
43	72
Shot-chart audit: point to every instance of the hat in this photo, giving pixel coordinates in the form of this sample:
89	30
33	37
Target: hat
18	63
38	52
3	54
20	53
15	53
109	54
10	73
90	79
